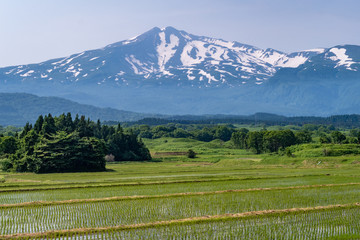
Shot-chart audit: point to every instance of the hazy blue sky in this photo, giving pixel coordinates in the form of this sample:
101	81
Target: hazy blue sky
37	30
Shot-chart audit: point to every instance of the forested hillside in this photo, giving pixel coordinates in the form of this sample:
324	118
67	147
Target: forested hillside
19	108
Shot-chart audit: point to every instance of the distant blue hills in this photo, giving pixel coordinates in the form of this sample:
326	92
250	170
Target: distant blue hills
168	71
18	108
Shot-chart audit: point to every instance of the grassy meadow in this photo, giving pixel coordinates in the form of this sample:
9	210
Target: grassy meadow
223	193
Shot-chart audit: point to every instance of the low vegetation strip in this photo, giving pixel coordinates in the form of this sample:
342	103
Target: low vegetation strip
119	198
170	153
109	185
191	220
101	185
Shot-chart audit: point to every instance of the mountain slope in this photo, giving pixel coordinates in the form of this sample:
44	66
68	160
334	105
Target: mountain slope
19	108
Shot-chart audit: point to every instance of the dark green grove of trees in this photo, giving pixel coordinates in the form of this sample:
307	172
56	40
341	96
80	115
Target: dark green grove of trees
205	133
61	144
268	141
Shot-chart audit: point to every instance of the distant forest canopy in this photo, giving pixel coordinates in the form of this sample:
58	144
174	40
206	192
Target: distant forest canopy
64	144
345	121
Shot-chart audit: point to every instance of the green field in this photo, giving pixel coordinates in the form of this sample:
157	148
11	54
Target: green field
224	193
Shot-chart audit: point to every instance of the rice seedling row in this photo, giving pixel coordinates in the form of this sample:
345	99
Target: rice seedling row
90	192
136	197
143	181
310	223
113	213
300	226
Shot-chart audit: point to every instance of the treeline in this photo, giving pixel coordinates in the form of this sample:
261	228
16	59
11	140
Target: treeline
205	133
279	140
268	141
345	121
64	144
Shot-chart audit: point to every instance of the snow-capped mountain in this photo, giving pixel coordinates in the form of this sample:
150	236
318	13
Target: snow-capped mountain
173	72
163	57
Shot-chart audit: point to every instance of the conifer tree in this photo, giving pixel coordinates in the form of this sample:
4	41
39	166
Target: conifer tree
38	124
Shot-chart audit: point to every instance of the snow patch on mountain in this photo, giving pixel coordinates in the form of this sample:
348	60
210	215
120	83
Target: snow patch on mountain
208	76
270	56
341	58
27	74
166	50
222	43
92	59
75	71
193	53
293	62
130	40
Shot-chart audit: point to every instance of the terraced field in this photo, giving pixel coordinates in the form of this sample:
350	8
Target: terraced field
234	198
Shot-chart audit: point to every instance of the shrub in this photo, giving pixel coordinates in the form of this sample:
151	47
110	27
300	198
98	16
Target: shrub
191	153
288	152
6	165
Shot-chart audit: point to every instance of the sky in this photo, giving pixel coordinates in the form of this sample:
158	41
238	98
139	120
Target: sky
38	30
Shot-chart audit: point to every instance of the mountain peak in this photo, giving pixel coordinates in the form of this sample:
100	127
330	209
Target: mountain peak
169	28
